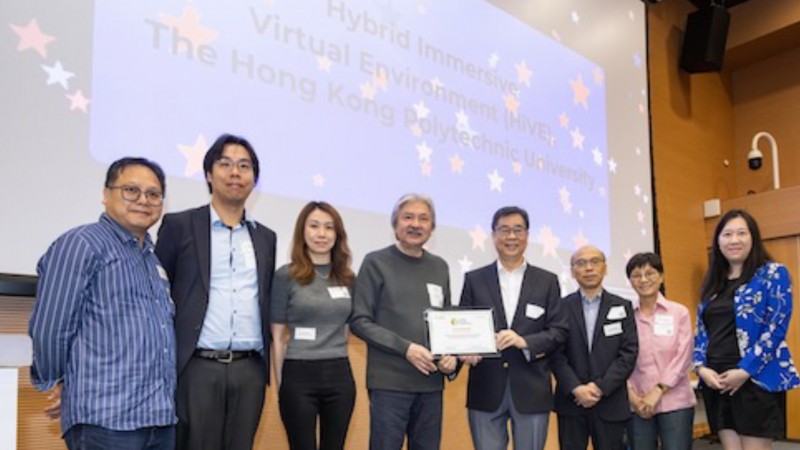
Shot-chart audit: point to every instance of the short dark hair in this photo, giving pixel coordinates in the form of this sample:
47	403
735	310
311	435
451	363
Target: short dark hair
214	154
644	259
510	211
116	168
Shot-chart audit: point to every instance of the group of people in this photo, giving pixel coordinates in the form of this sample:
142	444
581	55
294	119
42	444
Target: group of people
169	345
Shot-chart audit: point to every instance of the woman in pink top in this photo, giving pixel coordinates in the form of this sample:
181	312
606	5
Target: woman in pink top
659	391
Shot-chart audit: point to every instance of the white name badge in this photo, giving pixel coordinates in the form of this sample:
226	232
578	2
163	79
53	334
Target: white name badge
612	329
435	295
616	313
663	325
305	334
246	248
162	273
534	311
338	292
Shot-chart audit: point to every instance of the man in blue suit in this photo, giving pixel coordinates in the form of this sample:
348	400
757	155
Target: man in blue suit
529	326
220	264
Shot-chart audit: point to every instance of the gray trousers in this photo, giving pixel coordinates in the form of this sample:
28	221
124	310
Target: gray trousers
490	429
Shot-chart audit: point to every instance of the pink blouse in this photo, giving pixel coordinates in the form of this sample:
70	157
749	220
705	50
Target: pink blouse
665	355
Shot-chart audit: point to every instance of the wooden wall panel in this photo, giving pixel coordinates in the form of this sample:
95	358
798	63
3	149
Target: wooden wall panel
767	98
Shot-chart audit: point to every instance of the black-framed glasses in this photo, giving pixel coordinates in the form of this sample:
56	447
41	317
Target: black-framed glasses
226	164
508	231
133	193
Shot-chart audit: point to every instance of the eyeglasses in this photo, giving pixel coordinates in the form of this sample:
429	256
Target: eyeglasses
582	263
227	165
647	274
133	193
508	231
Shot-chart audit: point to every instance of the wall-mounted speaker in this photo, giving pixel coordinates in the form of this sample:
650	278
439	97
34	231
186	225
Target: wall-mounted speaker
704	39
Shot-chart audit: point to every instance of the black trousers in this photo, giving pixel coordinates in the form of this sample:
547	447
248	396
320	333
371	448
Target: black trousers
312	389
219	405
574	432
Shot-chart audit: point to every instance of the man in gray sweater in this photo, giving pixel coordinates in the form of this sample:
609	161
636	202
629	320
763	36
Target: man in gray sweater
394	287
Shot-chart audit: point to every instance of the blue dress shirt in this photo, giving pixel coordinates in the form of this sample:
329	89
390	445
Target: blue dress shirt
233	320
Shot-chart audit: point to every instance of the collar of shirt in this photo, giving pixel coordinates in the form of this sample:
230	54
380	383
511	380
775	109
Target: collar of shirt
590	300
216	221
661	303
123	234
519	270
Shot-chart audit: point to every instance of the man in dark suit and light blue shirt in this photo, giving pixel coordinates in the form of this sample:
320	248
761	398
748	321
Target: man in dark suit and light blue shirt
220	264
593	366
530	327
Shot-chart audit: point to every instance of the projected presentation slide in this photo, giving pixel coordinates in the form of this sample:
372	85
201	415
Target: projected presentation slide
360	101
478	104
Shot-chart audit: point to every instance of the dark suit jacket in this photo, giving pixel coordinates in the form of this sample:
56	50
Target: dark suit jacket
531	387
184	248
610	363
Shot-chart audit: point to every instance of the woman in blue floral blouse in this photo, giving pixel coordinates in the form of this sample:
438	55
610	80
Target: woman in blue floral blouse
740	352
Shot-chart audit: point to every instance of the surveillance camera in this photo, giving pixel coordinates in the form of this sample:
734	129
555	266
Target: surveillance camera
754	159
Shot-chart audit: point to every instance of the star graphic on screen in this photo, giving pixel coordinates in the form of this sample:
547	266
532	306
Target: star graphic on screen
416	130
512	103
552	141
580	93
637	190
580	240
188	26
318	179
516	166
644	231
462	118
564	198
581	214
631	15
549	241
57	75
424	152
425	168
576	19
324	63
598	76
465	264
436	84
523	73
194	155
563	120
638	151
645	199
368	90
421	110
478	236
640	216
495	181
555	35
31	37
78	101
577	138
380	80
494	58
597	156
456	163
612	165
641	108
637	60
